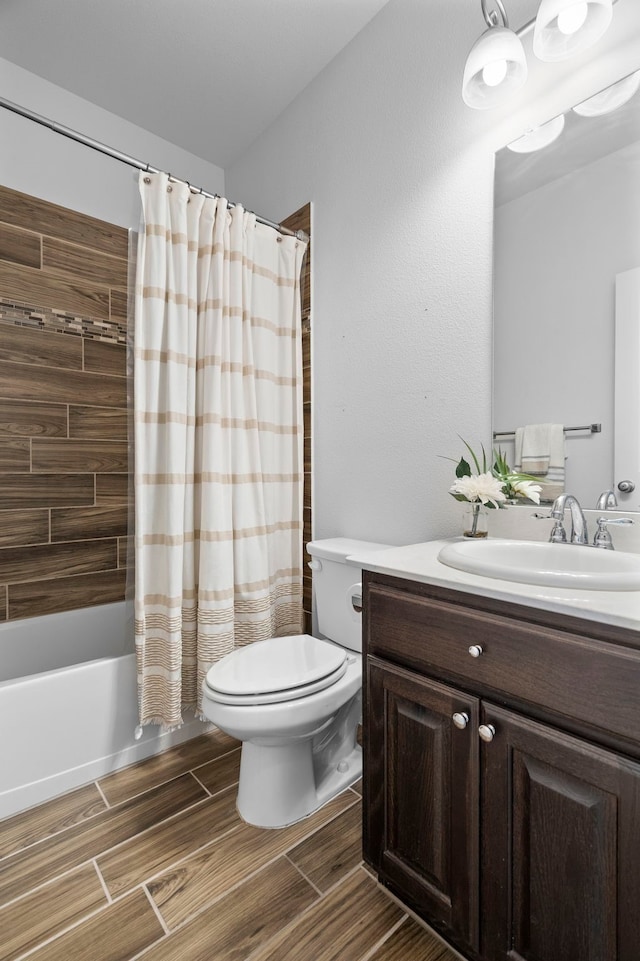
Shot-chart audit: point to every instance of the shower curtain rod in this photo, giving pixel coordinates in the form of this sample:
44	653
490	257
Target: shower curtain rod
131	161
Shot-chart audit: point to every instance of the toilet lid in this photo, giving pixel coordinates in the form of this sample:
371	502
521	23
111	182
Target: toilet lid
278	669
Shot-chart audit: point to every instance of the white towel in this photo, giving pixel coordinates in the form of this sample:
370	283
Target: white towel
540	450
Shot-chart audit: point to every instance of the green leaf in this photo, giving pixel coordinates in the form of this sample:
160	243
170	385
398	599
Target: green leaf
472	452
463	469
500	466
527	477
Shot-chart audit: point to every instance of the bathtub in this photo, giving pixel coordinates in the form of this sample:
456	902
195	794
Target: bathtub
68	704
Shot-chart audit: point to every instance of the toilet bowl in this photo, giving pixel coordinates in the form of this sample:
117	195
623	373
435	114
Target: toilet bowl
295	701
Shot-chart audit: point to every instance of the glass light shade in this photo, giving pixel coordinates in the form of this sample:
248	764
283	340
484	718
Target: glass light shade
539	137
566	27
497	53
610	99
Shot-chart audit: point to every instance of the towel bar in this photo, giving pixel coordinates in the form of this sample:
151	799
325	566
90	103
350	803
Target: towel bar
592	428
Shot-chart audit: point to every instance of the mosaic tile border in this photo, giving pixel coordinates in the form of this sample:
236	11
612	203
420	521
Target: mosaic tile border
60	322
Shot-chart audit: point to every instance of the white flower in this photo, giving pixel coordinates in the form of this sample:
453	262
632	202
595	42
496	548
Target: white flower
528	489
479	487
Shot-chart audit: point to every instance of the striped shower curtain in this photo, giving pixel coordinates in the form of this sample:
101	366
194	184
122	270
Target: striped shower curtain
218	440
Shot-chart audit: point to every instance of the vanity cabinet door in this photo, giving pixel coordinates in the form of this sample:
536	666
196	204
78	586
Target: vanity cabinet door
421	796
560	846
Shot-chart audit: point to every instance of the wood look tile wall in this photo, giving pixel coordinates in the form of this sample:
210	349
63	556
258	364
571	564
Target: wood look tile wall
63	408
301	220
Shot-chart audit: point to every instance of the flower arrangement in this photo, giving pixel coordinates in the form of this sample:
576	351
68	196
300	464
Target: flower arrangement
491	487
515	484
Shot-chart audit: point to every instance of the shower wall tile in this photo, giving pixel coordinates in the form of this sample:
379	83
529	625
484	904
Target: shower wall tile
112	489
94	266
29	382
307	452
64	490
118	305
63	408
59	321
23	527
51	289
105	358
78	456
23	210
23	346
18	491
56	594
74	523
20	246
29	419
15	454
125	550
98	422
301	220
49	560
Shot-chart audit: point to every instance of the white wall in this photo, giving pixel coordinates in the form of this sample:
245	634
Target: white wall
557	252
400	173
38	161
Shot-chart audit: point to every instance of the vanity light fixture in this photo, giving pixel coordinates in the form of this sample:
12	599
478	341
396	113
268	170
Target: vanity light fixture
497	66
566	27
538	137
610	98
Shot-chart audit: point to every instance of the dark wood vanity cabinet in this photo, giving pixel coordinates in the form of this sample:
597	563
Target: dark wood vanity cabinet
524	846
422	780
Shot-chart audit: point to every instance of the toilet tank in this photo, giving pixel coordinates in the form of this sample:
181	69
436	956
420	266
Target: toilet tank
337	584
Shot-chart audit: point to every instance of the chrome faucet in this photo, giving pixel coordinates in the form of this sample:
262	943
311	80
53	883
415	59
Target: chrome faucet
603	537
578	522
607	501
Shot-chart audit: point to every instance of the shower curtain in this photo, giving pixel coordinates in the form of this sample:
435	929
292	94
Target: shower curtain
218	440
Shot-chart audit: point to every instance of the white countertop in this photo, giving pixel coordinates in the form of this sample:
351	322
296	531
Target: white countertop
419	562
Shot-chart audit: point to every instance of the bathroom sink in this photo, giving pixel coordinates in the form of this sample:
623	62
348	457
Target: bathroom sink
552	565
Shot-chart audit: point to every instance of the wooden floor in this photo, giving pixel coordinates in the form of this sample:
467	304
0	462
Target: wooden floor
154	862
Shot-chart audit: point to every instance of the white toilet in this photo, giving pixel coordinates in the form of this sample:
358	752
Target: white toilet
295	702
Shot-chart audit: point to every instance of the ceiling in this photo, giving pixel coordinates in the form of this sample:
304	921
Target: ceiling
208	75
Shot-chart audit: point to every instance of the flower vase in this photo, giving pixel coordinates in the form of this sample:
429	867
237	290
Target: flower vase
475	520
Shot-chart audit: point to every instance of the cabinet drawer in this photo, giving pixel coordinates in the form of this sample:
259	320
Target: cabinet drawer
594	682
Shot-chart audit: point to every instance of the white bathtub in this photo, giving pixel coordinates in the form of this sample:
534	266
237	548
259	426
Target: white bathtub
68	704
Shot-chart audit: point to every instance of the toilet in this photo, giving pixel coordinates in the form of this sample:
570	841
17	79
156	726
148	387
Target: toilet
295	702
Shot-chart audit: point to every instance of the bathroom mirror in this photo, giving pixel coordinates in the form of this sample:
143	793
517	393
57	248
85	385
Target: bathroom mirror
566	344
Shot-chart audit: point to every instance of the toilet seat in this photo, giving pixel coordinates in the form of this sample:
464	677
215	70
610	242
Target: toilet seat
276	670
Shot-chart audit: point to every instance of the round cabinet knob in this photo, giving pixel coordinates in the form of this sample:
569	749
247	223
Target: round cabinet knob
460	719
487	732
626	487
475	650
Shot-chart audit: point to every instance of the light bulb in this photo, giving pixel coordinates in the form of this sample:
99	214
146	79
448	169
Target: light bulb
572	18
564	28
496	67
494	73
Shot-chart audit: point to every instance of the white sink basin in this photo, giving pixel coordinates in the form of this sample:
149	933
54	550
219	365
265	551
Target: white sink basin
553	565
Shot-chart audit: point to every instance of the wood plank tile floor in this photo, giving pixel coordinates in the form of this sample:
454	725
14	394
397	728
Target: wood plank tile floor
153	862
